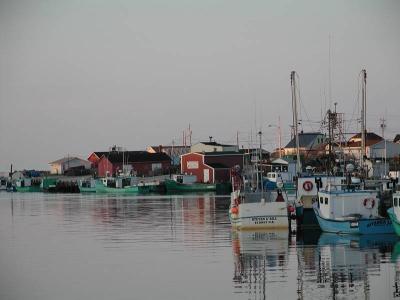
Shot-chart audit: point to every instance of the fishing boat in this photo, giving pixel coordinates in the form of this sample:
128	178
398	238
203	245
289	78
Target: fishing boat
113	185
3	184
30	185
350	209
394	212
253	208
187	183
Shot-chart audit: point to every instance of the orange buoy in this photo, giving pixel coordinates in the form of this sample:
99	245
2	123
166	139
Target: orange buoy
234	210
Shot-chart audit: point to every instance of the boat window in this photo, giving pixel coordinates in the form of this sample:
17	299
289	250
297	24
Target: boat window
395	202
321	200
326	200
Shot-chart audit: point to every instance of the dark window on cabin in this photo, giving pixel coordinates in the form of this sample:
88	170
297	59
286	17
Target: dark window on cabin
395	202
321	200
326	200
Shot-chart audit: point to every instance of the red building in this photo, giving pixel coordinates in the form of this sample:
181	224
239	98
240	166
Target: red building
95	157
140	163
212	167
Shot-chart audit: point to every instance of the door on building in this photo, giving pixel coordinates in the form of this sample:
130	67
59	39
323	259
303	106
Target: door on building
206	175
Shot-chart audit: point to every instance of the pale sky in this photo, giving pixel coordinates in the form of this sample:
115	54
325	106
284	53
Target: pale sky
78	76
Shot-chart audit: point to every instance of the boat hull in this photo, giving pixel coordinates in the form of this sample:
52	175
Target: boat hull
28	189
395	222
254	216
173	186
359	226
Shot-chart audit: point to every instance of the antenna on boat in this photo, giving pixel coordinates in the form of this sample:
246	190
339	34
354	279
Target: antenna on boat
295	118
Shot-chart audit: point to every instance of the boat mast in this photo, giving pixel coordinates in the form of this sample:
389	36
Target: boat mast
295	119
363	119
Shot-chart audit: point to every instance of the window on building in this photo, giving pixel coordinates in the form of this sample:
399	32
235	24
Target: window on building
396	203
321	199
326	200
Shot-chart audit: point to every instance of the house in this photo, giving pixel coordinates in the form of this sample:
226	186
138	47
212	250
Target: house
94	158
309	143
377	151
397	139
253	154
213	147
211	167
140	163
174	152
353	145
64	164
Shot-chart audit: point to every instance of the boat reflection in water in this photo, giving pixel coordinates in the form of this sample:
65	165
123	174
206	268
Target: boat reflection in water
326	265
260	261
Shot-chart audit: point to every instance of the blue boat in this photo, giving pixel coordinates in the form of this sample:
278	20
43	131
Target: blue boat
354	225
350	211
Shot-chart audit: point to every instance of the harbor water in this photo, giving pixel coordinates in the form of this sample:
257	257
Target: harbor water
177	247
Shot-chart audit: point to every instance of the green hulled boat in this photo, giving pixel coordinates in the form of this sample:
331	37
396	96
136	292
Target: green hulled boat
174	186
28	185
394	212
112	186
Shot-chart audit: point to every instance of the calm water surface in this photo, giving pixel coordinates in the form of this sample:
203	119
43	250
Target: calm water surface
177	247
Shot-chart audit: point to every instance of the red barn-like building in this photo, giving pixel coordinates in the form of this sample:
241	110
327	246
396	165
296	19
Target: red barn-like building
140	163
210	167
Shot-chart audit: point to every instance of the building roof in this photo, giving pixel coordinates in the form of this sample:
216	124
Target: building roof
218	166
99	154
370	139
305	139
251	150
396	138
216	144
280	161
221	153
368	136
67	159
136	156
159	148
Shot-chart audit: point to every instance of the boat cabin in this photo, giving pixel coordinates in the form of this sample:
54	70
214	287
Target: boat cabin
3	183
185	179
341	204
396	204
119	182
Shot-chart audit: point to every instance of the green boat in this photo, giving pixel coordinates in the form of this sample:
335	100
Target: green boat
28	185
173	186
111	185
394	212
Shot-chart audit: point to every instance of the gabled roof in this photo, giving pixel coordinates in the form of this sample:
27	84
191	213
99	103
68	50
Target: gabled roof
305	139
280	161
136	156
67	159
368	136
99	154
216	144
218	166
370	139
396	138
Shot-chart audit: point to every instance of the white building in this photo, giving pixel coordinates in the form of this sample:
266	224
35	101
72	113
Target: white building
213	147
64	164
378	150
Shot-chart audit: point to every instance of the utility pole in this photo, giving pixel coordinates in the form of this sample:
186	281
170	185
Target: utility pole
383	127
363	119
295	119
280	136
261	171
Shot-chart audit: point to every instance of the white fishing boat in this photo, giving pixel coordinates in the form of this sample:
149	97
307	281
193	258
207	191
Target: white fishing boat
253	208
349	208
